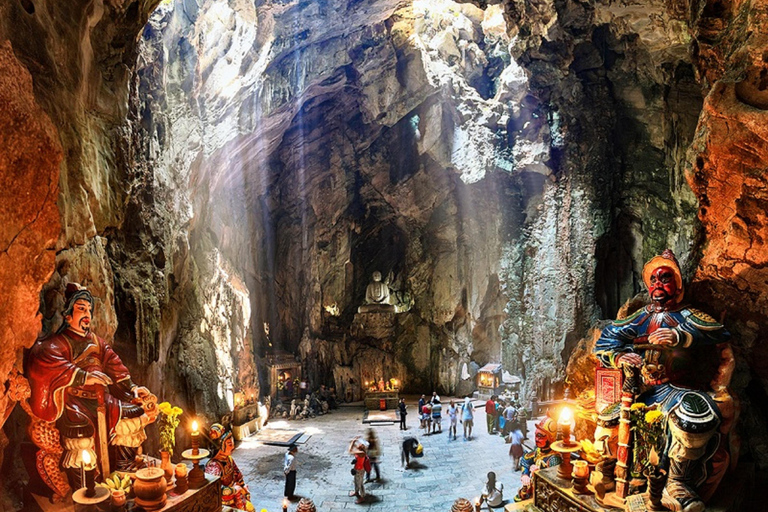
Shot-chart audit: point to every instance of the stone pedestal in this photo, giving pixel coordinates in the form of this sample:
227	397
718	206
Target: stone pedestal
379	325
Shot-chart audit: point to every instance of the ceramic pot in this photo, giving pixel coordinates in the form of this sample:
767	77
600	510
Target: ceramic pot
168	468
118	498
149	488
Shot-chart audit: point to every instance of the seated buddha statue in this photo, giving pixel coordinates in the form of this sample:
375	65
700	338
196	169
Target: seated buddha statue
377	297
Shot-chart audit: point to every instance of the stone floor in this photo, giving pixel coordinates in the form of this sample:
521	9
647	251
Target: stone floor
448	470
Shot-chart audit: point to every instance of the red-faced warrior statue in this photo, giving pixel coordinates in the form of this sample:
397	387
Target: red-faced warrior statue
79	382
668	341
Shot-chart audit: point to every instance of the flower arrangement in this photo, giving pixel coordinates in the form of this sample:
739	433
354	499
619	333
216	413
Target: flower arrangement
169	420
648	424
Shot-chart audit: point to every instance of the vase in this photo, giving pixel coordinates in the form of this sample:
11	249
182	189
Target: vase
167	466
149	488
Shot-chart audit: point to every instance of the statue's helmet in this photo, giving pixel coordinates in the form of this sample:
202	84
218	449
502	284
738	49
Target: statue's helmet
218	434
72	293
666	259
546	432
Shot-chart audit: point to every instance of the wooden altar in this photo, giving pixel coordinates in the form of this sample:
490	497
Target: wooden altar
205	499
553	494
373	399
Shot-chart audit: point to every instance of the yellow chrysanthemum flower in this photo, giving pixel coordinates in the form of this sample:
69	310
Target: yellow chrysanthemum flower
653	416
176	410
164	407
637	406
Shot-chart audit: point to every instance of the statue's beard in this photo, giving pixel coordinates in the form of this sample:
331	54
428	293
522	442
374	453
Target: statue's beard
83	326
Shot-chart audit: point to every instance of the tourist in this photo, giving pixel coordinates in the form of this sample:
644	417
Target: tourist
437	409
374	453
289	469
426	413
490	414
435	397
401	406
493	496
411	448
510	418
467	418
361	466
453	415
422	401
516	449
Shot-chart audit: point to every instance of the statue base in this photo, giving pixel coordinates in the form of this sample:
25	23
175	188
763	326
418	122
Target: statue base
379	325
554	494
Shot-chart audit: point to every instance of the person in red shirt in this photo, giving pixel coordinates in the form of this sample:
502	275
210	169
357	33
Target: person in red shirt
362	464
490	414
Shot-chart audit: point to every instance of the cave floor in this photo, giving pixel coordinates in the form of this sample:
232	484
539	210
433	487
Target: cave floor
448	470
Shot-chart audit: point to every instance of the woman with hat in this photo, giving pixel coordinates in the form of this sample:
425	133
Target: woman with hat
234	492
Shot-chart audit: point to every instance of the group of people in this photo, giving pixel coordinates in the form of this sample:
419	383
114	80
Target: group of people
431	416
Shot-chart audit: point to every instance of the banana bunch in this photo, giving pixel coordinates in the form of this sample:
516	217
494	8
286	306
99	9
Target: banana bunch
115	482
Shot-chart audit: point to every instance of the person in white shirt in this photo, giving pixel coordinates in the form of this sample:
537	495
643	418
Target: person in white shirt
453	416
289	468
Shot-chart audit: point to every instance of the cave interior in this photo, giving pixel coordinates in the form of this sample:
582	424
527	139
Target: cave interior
226	176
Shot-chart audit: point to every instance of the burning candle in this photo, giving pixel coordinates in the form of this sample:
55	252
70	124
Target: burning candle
90	477
195	439
285	504
580	469
564	424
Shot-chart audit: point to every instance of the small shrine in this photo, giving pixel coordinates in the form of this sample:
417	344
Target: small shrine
285	376
380	394
489	380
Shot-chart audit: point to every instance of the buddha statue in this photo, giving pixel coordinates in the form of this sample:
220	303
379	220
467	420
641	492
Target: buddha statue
377	297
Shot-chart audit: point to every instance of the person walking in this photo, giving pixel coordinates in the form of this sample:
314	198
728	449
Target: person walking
453	416
361	466
467	418
437	416
401	406
374	453
510	418
490	414
289	468
516	449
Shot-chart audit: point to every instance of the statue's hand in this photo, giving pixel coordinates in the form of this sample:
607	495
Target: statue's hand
525	480
663	337
631	359
140	392
97	378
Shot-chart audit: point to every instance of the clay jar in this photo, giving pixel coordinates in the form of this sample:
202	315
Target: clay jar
149	488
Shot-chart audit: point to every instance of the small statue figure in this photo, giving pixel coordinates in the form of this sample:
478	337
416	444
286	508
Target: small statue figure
607	445
80	383
663	340
306	410
540	457
377	299
234	491
381	384
294	409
